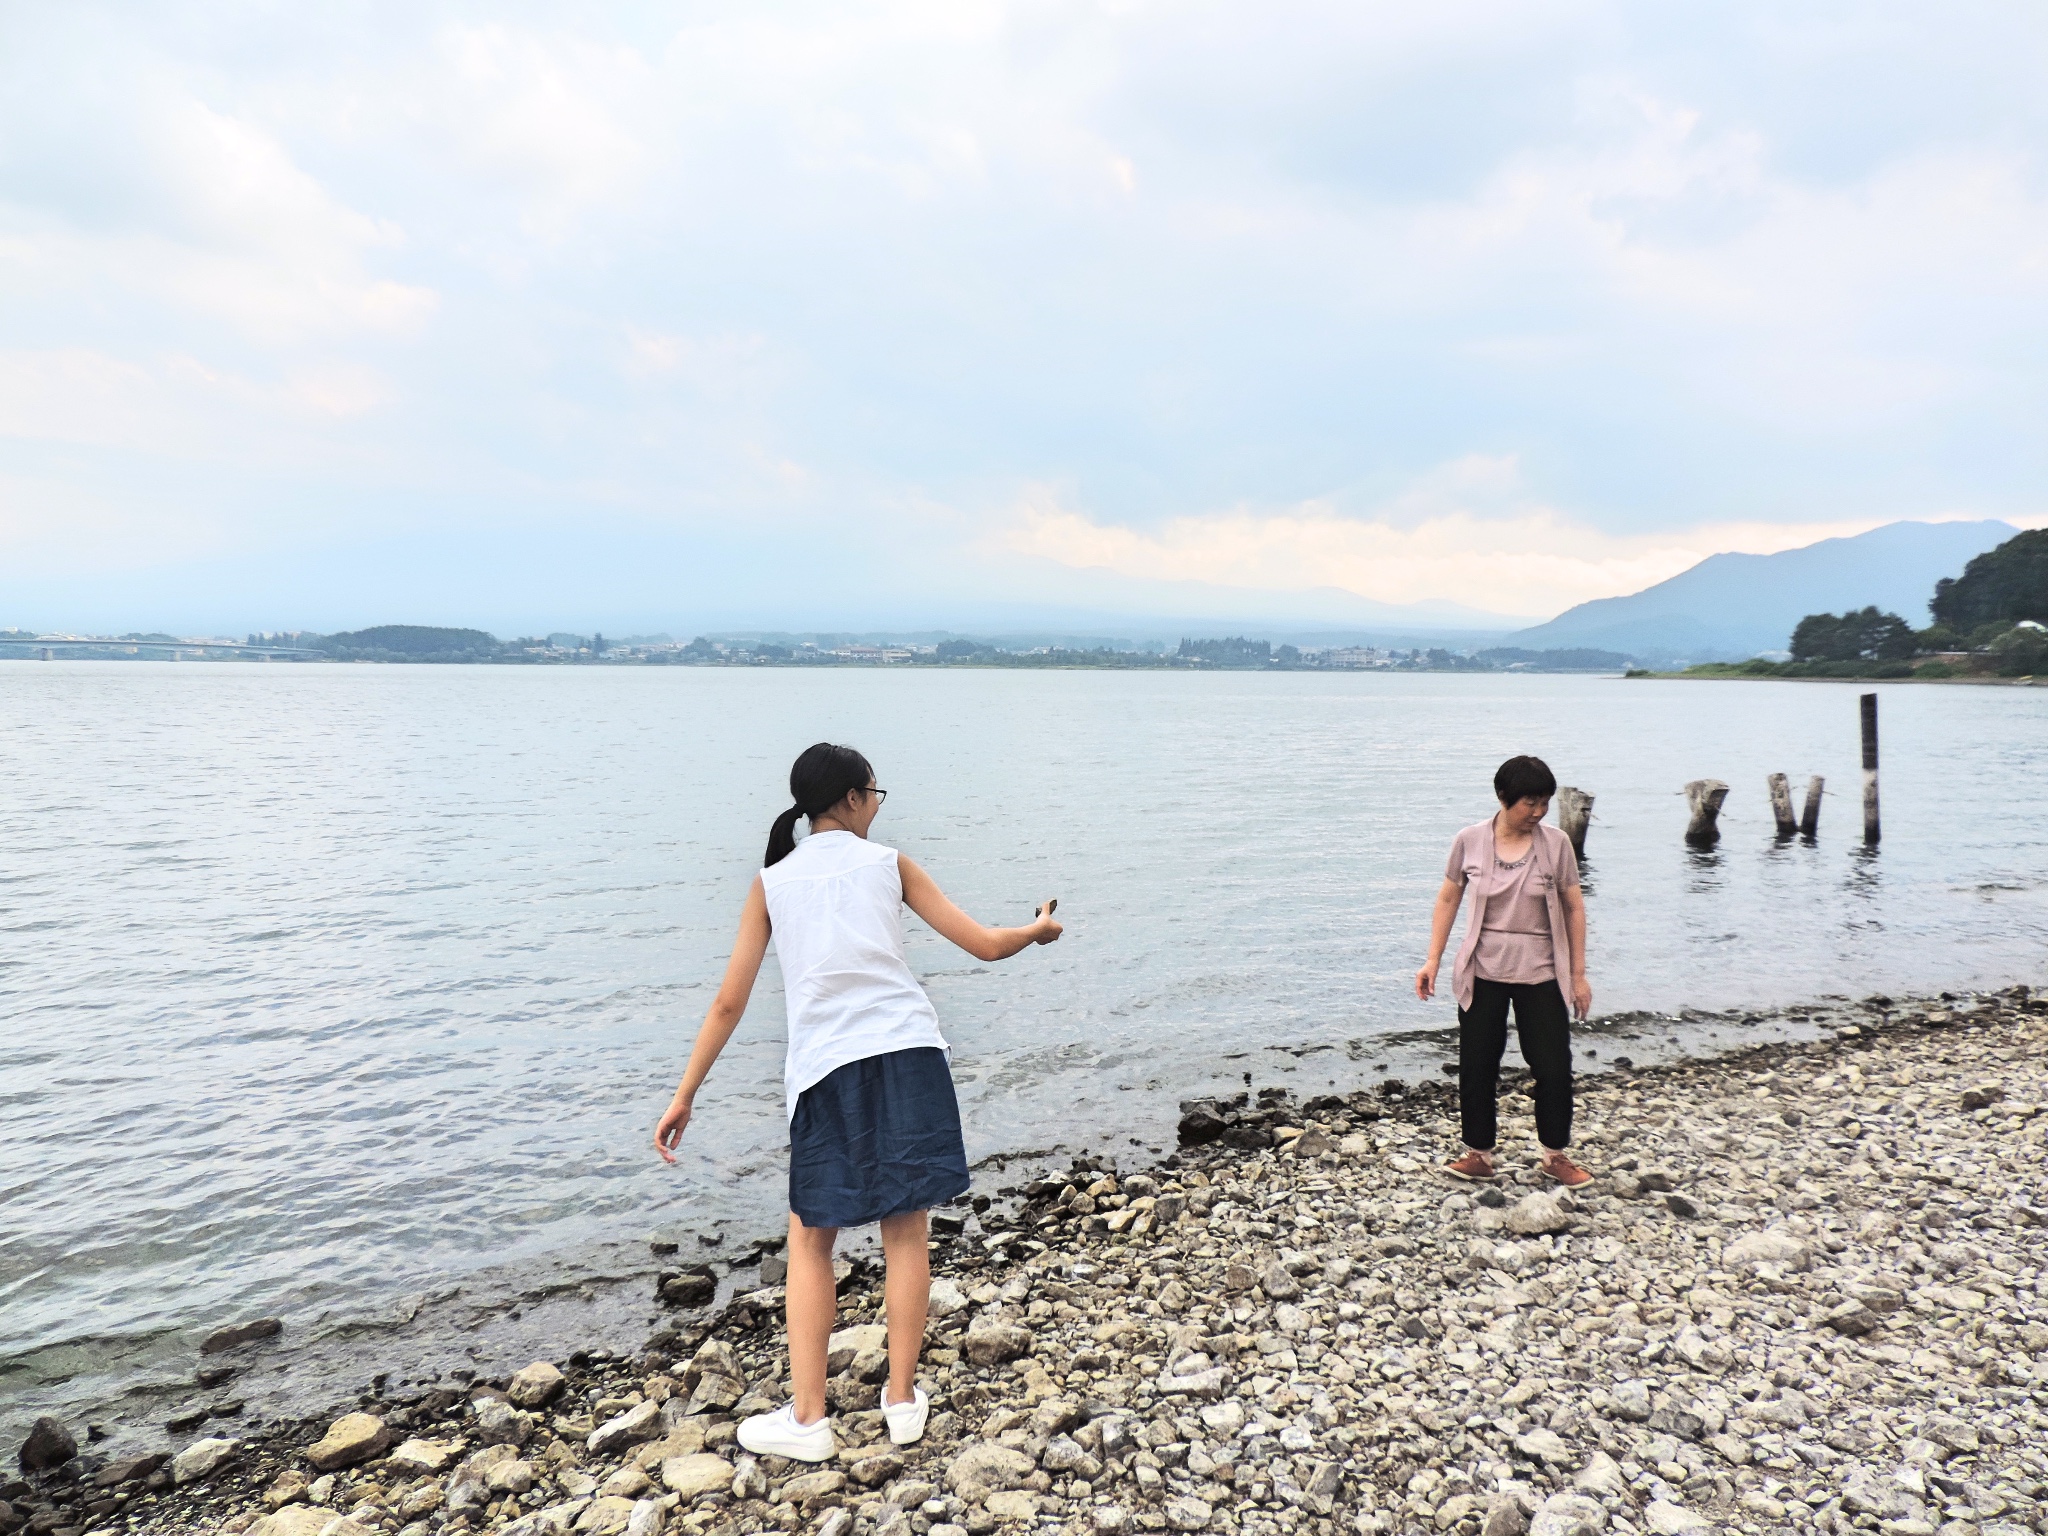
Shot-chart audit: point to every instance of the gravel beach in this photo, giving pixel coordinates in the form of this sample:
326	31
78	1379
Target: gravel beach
1803	1293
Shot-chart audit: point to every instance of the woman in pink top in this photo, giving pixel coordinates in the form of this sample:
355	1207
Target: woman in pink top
1524	942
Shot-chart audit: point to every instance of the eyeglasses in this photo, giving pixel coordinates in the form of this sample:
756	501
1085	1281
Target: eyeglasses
879	794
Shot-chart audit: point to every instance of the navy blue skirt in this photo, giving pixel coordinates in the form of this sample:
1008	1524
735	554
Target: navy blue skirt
876	1138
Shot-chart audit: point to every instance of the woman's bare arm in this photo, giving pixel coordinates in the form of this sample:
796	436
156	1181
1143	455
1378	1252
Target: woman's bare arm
1445	912
721	1019
922	895
1578	990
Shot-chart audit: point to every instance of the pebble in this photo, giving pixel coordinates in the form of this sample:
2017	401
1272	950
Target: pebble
350	1440
536	1386
202	1458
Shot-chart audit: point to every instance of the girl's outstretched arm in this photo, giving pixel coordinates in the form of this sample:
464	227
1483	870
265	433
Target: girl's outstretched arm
748	951
922	895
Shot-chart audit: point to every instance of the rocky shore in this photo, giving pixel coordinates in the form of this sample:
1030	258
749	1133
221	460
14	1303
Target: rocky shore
1804	1293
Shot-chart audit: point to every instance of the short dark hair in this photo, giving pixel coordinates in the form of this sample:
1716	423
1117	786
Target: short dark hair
1523	778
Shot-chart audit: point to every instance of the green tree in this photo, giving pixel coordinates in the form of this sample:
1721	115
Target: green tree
1237	651
2021	652
1864	635
2003	585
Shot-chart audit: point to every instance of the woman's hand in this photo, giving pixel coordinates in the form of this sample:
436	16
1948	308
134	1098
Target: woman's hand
1045	930
1582	996
670	1130
1425	980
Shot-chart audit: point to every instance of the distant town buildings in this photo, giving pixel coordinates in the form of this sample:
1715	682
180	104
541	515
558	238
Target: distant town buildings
1349	656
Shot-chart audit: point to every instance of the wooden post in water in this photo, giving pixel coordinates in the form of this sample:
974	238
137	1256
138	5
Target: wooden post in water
1781	804
1809	818
1574	810
1705	797
1870	828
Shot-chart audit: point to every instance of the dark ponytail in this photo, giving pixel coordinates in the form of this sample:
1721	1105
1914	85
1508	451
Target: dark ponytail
819	779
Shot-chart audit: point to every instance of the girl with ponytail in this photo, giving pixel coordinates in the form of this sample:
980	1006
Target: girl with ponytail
874	1128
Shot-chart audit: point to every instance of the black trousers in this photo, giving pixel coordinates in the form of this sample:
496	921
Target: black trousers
1543	1025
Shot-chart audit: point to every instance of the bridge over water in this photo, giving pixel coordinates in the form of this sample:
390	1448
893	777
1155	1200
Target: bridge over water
82	647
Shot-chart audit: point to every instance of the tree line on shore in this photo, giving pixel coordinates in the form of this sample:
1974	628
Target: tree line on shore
1991	621
422	643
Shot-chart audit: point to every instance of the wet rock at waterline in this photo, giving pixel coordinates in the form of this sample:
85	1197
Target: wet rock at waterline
238	1334
49	1444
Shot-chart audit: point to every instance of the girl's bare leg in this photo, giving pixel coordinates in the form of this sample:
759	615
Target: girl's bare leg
812	1306
908	1292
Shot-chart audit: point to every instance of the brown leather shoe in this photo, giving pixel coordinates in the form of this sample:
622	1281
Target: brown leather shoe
1564	1170
1475	1166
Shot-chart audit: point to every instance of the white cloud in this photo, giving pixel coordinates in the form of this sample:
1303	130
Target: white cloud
1684	251
1465	533
238	232
549	113
175	406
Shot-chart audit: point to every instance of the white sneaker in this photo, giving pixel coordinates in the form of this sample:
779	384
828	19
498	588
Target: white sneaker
779	1434
906	1420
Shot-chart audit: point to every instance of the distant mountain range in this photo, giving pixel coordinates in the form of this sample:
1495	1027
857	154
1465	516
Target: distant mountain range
1730	607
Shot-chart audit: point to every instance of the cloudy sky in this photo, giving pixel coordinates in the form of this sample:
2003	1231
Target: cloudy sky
531	315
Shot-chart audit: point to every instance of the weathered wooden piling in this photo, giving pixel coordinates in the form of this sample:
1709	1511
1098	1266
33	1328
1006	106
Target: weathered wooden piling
1809	817
1704	796
1870	828
1574	810
1781	804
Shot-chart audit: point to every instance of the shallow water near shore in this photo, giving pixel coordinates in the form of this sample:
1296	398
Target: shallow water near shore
349	995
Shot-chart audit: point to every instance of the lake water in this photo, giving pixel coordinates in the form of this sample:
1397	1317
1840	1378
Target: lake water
350	994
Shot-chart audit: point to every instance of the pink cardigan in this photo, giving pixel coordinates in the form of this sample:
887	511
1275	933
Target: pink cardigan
1472	851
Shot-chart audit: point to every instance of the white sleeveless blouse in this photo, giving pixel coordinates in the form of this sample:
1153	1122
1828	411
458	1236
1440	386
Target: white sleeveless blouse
835	910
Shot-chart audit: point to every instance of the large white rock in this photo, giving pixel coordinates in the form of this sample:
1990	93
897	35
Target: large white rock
536	1386
606	1517
1536	1213
1600	1476
1773	1245
689	1476
1569	1514
1225	1418
1545	1445
981	1469
629	1428
947	1298
514	1476
350	1440
848	1343
555	1520
992	1342
202	1458
298	1520
422	1458
499	1423
1668	1519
